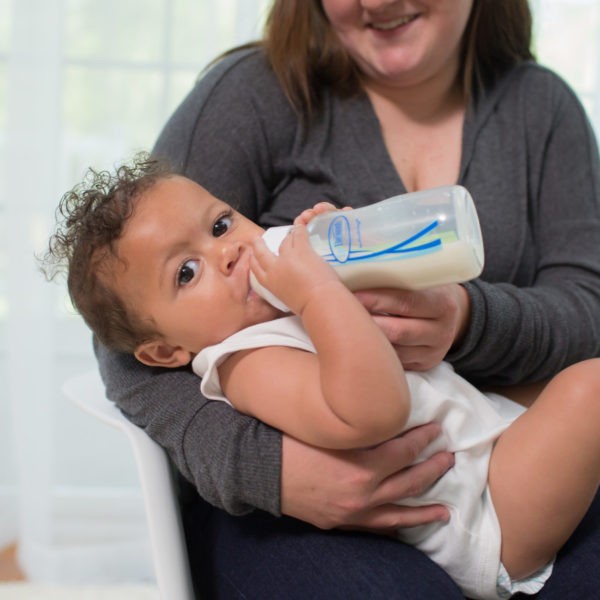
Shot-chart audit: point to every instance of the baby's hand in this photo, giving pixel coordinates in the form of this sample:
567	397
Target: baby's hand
306	215
296	274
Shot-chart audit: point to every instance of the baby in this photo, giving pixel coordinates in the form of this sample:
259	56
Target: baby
159	267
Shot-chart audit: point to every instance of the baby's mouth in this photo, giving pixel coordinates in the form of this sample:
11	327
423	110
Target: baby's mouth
251	295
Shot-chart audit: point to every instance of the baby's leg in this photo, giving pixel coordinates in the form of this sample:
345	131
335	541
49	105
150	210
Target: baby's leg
545	469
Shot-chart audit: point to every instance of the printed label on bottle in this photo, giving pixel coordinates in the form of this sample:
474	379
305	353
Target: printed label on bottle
342	249
340	239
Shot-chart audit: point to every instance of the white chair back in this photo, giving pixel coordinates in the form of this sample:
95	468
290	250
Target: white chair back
167	539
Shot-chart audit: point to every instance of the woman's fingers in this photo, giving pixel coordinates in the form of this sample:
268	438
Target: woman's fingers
359	489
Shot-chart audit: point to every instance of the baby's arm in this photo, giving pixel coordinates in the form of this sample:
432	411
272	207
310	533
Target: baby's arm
352	392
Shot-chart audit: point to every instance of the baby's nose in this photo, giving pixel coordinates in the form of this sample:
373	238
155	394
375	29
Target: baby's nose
230	254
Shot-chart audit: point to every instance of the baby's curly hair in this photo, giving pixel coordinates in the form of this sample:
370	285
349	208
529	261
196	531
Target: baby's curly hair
90	219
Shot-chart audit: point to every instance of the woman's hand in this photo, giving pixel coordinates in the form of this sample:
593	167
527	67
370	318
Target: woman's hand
358	489
422	325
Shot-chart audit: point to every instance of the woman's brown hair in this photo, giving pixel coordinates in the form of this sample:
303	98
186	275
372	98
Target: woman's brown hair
306	55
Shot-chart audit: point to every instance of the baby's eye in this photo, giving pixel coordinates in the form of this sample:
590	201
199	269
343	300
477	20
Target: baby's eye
187	272
221	225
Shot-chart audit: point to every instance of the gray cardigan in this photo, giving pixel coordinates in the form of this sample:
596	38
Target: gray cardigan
529	159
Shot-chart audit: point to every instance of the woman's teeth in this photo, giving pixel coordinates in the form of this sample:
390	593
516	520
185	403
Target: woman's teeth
393	24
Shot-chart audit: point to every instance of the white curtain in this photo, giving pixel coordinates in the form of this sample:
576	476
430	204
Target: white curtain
82	82
88	82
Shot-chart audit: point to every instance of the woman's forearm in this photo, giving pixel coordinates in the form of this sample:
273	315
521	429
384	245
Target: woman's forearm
525	335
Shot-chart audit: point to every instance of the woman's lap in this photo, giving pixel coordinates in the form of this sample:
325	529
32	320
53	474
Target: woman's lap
259	556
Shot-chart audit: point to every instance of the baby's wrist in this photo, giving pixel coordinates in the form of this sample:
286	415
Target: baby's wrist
323	293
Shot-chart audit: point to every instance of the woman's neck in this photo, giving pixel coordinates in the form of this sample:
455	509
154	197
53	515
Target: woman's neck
421	126
423	102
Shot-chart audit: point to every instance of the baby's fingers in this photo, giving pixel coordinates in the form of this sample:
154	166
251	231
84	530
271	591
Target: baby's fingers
296	238
305	216
261	255
321	207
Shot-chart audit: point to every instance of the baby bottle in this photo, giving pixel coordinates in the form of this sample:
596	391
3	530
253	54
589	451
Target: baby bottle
412	241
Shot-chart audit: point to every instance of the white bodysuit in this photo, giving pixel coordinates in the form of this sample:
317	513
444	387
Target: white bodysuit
468	546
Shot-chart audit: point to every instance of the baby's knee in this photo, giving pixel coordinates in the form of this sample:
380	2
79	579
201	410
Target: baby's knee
581	385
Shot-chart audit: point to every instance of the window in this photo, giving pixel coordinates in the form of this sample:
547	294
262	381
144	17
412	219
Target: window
82	82
567	39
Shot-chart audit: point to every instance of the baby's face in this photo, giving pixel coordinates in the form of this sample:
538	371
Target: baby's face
186	266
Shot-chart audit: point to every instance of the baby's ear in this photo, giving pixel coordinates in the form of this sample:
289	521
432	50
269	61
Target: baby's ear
160	354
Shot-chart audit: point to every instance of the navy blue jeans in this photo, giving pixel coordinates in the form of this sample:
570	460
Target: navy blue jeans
261	557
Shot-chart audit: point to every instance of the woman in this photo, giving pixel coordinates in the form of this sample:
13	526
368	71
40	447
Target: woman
353	101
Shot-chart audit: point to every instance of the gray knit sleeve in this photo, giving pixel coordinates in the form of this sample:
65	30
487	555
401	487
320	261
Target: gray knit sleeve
542	190
233	461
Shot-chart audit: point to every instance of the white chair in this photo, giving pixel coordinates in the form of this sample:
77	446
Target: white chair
167	539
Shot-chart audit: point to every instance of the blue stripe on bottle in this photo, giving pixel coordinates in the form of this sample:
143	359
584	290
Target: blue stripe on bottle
400	248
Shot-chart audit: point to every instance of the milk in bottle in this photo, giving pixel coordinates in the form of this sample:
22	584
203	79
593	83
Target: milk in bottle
412	241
